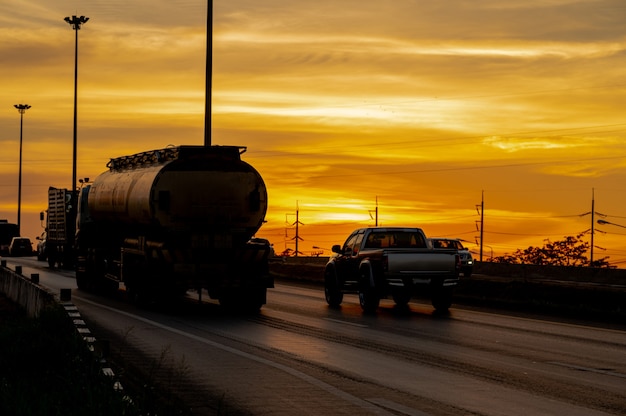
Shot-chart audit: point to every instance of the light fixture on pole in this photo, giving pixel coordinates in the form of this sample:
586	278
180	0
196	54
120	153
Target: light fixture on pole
75	22
22	109
603	222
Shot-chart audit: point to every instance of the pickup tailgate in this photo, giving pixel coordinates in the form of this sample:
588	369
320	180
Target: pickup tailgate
422	265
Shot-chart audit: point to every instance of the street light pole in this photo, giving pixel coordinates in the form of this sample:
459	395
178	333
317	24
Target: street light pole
75	22
22	109
209	75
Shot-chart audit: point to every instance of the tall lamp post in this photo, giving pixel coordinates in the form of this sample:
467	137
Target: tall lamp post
75	22
209	74
22	109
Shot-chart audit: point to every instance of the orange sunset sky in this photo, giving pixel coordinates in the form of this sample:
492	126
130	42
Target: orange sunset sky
424	106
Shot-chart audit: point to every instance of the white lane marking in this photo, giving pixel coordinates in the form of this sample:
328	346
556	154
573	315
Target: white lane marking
588	369
397	407
339	321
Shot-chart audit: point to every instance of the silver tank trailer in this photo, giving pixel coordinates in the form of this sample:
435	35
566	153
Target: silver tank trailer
182	189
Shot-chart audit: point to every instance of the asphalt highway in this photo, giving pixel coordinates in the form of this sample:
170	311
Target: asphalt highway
298	356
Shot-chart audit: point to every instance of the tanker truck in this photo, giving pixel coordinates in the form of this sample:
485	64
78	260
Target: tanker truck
167	221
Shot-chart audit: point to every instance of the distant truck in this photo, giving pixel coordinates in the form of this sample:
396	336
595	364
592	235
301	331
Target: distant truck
399	262
60	228
467	261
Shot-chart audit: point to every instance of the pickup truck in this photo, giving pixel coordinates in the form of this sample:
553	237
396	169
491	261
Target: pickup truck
394	261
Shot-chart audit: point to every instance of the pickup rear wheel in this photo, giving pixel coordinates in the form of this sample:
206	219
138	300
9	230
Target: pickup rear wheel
368	296
442	299
333	294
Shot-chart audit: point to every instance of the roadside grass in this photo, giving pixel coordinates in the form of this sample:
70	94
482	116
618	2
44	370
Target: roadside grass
47	369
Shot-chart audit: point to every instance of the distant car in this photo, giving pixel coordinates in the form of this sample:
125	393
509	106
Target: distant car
41	247
467	262
21	246
265	242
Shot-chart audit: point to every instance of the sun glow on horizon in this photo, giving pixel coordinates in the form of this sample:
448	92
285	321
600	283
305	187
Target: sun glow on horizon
426	108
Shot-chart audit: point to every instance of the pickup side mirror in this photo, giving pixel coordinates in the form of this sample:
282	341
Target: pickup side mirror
336	249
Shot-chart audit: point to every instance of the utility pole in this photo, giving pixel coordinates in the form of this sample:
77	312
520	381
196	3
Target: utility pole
481	211
297	224
593	230
75	22
297	237
376	213
209	74
22	109
593	209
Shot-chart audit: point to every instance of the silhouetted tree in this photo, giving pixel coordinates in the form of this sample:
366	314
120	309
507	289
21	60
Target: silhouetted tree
567	252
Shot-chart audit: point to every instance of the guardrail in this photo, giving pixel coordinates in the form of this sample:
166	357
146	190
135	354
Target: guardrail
25	292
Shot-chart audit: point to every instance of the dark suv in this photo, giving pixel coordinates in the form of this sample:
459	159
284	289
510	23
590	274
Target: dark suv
467	262
21	246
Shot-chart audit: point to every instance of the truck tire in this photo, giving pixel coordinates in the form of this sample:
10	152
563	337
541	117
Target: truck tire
81	281
401	297
442	298
332	293
52	258
242	301
253	300
368	296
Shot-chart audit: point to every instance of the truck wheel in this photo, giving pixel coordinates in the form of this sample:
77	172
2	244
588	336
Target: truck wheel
81	281
369	300
253	300
442	299
401	297
368	297
236	301
333	295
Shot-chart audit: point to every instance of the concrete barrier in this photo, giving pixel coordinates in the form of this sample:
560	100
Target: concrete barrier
26	293
595	275
581	291
314	267
34	299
